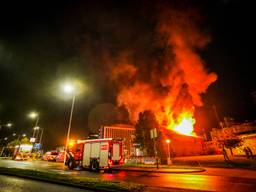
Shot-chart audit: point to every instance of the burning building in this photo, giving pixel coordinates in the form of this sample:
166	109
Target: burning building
184	145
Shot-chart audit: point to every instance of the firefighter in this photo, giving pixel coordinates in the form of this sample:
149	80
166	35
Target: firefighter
225	154
247	152
250	152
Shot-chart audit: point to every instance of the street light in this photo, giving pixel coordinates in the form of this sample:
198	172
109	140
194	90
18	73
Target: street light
5	125
21	135
9	125
168	147
34	115
70	90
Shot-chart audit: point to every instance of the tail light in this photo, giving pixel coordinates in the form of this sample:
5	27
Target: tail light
110	162
121	161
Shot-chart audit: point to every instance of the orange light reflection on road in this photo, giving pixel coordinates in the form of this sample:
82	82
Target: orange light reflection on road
195	182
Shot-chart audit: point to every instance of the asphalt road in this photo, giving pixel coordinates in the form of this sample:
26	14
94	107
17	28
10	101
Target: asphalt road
213	179
10	184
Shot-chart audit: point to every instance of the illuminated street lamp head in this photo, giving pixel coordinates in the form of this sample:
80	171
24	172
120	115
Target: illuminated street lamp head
68	88
168	140
23	135
33	115
71	143
9	124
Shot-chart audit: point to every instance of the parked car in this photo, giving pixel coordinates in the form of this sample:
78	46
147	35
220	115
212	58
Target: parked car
60	157
22	156
50	156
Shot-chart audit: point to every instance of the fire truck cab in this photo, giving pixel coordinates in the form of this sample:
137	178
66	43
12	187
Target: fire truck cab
95	154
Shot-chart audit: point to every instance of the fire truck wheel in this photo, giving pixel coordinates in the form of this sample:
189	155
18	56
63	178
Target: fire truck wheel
71	164
95	165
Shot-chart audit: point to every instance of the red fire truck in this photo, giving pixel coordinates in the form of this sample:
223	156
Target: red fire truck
95	154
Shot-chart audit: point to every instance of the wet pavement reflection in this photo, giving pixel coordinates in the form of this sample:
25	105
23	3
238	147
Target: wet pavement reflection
220	181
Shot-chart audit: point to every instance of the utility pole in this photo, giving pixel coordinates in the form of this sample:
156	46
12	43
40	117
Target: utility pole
36	124
69	127
41	136
37	135
217	115
157	166
40	140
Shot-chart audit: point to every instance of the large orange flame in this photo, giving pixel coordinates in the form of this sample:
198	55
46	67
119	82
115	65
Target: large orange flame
184	124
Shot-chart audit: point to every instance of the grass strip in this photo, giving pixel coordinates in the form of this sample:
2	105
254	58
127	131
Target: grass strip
93	184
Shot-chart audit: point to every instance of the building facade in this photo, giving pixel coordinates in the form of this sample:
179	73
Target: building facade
232	131
246	132
120	131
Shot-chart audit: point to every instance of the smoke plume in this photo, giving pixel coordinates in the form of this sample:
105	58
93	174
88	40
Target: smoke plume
172	78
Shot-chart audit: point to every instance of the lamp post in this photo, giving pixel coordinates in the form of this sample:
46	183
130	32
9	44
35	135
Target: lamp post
8	125
69	89
37	134
41	137
5	125
34	115
169	162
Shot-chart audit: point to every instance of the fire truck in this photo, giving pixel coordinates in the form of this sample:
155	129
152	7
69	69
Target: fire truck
95	154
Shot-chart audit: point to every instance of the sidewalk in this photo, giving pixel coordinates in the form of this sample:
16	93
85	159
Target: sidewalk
215	161
5	158
194	164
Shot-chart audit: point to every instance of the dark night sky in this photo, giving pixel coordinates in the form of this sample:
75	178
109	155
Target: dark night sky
43	42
